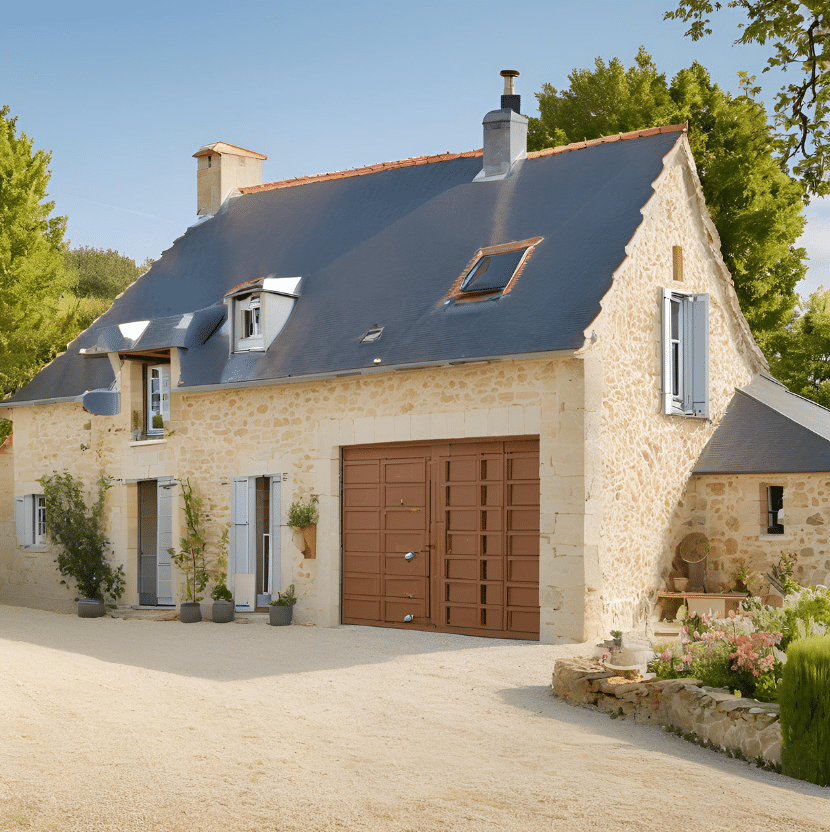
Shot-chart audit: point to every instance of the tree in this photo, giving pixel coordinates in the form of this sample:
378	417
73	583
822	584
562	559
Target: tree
31	259
94	272
756	206
800	354
799	34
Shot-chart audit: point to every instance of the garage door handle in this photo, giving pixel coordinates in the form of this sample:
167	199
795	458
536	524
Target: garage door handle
408	618
409	556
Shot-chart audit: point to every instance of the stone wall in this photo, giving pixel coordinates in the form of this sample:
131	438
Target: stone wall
731	510
643	457
712	714
298	429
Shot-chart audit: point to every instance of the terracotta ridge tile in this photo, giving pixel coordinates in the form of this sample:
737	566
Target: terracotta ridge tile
433	158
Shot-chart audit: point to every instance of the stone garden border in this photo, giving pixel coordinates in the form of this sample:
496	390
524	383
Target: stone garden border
713	715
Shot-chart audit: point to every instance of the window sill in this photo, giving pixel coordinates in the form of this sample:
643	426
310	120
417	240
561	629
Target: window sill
140	443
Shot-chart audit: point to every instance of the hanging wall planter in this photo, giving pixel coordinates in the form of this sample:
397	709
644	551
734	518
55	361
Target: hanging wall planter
303	517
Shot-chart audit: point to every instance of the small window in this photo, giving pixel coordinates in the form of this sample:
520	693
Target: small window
30	519
248	323
209	161
372	335
158	399
775	509
492	272
685	354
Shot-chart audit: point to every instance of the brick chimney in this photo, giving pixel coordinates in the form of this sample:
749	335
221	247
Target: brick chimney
220	169
505	133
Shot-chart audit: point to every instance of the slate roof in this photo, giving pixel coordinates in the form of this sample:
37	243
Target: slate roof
767	429
384	249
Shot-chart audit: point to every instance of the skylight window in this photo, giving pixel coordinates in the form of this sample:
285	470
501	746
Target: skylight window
372	335
493	272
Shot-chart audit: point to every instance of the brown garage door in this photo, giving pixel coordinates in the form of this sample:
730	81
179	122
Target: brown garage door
443	537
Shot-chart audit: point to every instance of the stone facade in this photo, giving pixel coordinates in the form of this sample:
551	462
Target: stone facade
642	458
711	714
731	510
612	466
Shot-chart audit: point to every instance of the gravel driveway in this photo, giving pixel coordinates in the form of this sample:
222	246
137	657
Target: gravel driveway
113	724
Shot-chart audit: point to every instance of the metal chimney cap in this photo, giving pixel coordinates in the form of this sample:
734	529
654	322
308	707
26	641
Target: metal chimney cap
505	73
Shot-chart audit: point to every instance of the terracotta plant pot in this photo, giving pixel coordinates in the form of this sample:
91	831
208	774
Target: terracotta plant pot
91	608
280	616
190	612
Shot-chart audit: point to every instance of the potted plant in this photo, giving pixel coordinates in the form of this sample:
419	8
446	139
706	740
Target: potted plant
223	608
136	424
303	517
282	608
79	531
191	558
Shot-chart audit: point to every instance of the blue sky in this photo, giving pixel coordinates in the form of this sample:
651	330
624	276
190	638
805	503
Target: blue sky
124	94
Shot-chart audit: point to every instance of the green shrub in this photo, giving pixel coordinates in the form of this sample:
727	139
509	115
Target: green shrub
285	599
79	531
304	514
804	699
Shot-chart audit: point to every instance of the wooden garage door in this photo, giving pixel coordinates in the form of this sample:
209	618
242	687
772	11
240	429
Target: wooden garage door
443	537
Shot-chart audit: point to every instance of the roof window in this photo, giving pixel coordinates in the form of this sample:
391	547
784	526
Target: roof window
492	272
372	335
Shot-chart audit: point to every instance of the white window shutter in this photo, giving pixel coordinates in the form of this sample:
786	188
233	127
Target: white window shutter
274	523
165	394
698	317
240	525
20	520
164	539
666	349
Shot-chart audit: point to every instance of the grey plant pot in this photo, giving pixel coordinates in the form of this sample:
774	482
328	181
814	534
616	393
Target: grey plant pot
190	612
280	616
222	612
91	608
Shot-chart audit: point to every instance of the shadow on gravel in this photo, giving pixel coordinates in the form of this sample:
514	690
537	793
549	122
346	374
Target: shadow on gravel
625	733
229	652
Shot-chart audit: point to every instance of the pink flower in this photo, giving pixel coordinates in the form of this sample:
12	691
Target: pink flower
666	655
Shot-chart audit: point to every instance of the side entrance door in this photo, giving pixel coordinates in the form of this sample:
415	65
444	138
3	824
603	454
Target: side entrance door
443	537
155	537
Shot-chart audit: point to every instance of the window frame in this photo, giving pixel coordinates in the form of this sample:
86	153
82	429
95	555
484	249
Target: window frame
248	310
685	348
30	521
163	393
774	528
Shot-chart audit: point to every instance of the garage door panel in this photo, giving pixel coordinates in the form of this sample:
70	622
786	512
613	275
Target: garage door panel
361	585
462	544
492	569
461	568
406	587
523	621
460	617
405	518
491	520
396	611
361	541
405	495
365	497
523	545
524	494
462	495
523	467
361	472
361	563
361	609
403	542
462	520
358	519
523	519
525	570
522	596
397	565
461	470
461	592
405	471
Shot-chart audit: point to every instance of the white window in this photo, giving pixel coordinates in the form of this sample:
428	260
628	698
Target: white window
158	398
685	354
248	323
30	520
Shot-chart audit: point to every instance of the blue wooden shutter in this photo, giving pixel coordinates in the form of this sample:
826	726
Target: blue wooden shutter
274	524
20	520
698	378
666	394
164	539
241	526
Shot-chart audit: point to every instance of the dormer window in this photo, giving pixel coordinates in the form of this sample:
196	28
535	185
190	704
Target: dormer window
249	323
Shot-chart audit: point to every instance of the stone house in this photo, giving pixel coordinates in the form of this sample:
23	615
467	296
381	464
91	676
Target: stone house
497	369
